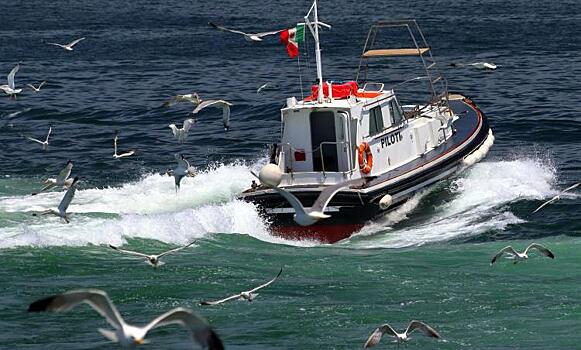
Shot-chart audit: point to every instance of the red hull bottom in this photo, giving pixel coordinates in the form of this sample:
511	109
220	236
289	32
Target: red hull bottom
321	233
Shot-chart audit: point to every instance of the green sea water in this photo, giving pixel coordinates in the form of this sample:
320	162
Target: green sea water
429	260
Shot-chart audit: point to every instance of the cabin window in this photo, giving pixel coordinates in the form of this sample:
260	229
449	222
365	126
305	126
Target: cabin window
395	112
375	121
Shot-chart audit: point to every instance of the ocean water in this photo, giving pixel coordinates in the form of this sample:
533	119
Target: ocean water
428	260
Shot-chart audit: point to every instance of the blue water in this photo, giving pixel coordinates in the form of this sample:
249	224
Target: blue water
428	260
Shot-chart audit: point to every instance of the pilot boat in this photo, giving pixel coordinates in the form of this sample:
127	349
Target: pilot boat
360	129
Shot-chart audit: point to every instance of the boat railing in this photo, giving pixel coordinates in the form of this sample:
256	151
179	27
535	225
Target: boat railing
320	149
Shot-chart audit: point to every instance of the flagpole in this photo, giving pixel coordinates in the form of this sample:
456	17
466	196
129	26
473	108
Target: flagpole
315	33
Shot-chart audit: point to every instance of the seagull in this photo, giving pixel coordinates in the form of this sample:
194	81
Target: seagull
516	256
477	65
62	179
247	36
124	154
61	211
152	260
11	89
36	89
125	334
247	295
193	98
309	216
183	169
69	46
375	337
265	86
216	103
182	133
43	143
557	197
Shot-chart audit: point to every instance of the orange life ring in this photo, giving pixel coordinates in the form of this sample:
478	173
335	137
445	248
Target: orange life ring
365	158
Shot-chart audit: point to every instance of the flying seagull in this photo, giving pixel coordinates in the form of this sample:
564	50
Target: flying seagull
557	197
477	65
123	154
125	334
182	133
516	256
216	103
181	170
247	36
265	86
69	46
152	260
62	179
399	338
309	216
43	143
10	89
247	295
192	98
36	89
61	211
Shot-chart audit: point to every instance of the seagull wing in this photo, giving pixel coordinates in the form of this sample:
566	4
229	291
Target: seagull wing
115	144
375	337
262	87
427	330
97	299
33	139
508	249
541	249
267	283
11	76
174	129
48	134
328	193
224	29
66	201
546	203
210	103
188	124
260	35
175	249
128	251
32	87
73	43
196	326
65	173
292	199
216	302
41	85
56	44
571	187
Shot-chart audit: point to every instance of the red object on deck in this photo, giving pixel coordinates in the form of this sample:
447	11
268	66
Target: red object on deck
339	90
321	233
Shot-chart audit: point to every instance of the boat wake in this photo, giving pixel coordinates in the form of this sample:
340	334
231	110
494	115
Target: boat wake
477	203
206	205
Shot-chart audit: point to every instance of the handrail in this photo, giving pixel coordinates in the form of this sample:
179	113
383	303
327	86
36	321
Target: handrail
319	149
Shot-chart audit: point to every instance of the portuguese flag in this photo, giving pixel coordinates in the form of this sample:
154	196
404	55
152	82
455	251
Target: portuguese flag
292	37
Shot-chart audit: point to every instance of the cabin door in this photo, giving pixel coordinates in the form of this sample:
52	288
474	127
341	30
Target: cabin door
323	130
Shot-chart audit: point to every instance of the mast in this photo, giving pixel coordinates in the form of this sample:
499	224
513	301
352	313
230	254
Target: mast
314	28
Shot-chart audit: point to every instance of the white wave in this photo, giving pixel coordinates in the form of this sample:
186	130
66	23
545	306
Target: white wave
152	194
478	203
147	209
